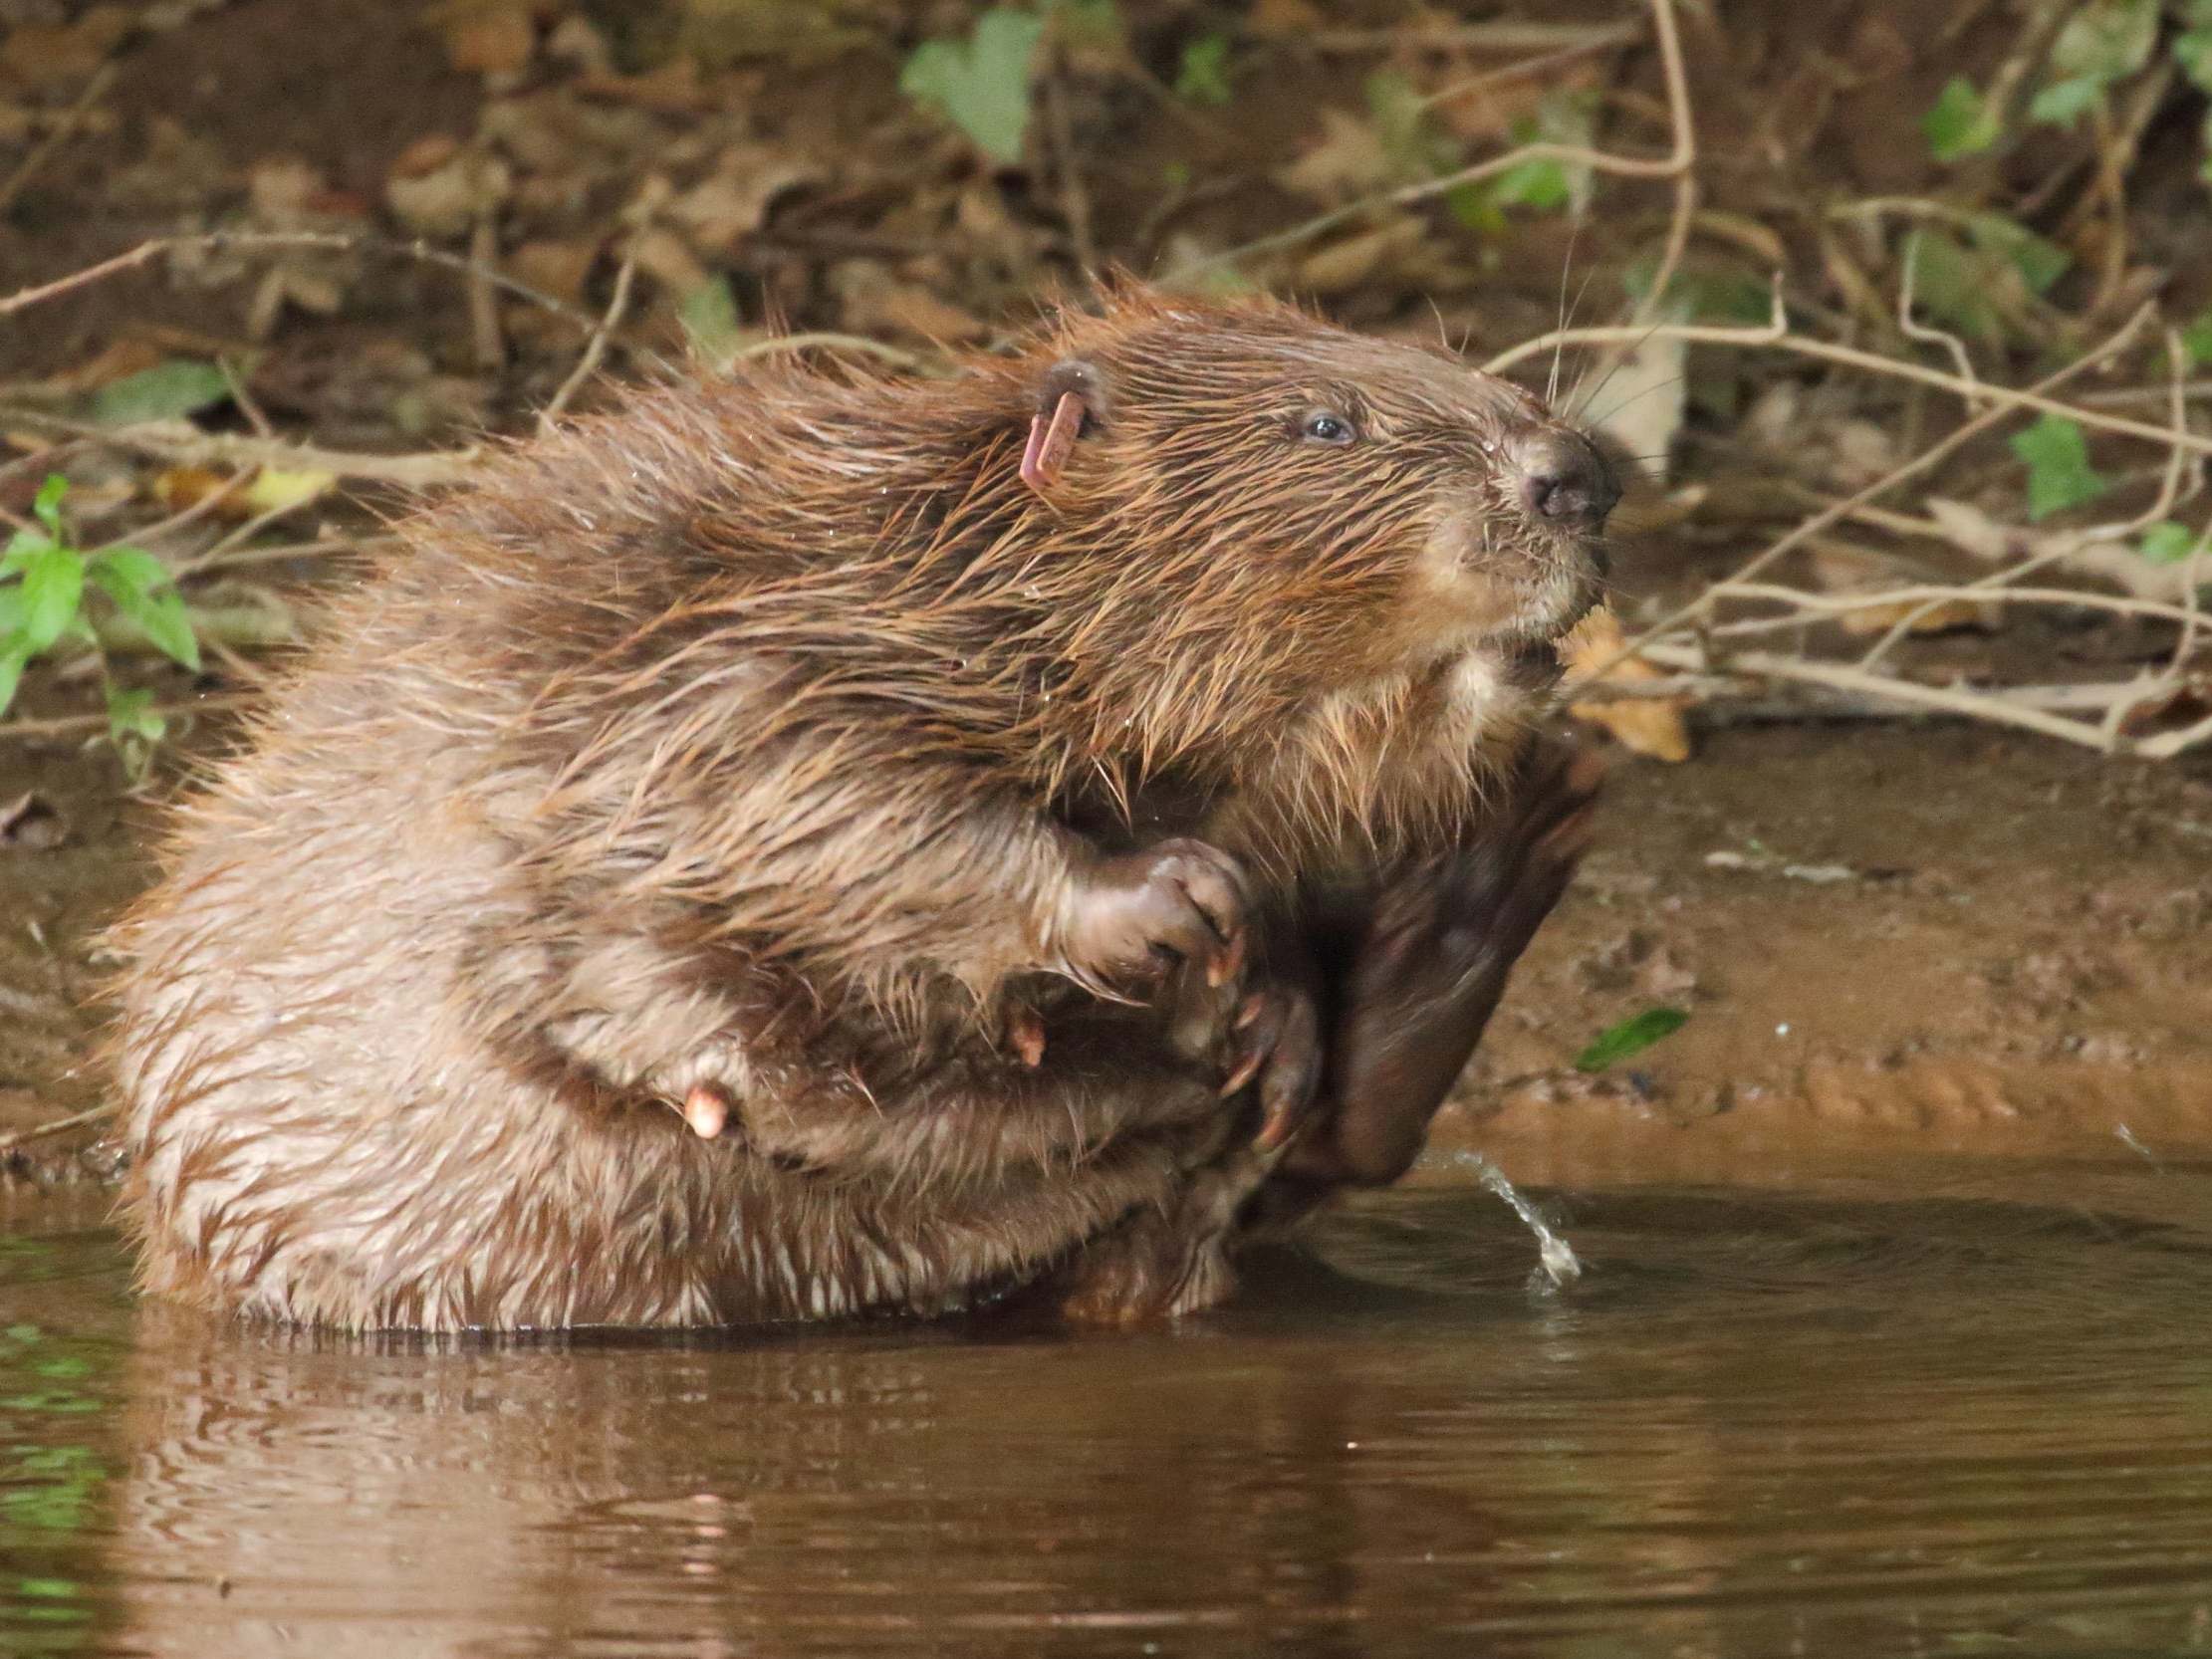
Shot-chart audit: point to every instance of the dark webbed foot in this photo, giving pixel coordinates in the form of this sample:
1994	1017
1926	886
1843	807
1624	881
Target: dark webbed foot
1422	971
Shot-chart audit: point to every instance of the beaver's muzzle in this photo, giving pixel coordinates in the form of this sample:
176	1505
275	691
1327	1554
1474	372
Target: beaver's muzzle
1562	480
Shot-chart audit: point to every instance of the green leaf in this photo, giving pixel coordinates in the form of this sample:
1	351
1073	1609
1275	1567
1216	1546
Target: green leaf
134	567
12	665
1961	124
1952	283
1401	123
2063	102
2192	50
21	546
2038	261
982	84
53	584
2106	40
150	600
1632	1036
1204	75
166	392
710	321
2196	340
131	715
2170	543
47	506
2058	472
1541	184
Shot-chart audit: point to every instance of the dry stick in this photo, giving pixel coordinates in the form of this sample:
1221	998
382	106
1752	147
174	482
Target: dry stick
173	440
248	241
63	725
1927	597
1673	166
1626	34
75	1120
824	340
1074	200
486	339
63	128
2169	487
1777	336
1834	514
596	346
1990	706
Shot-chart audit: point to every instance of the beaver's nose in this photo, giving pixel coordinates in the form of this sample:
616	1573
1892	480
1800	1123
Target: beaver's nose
1565	480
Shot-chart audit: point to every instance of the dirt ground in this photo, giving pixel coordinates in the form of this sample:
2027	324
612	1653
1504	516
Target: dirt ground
1922	935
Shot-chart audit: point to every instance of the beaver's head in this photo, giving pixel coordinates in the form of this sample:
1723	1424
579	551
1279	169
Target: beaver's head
1281	522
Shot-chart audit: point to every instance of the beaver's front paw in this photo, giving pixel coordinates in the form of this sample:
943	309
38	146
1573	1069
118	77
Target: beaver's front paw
1129	918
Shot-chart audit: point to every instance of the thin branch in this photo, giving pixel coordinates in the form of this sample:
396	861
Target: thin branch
253	241
1780	339
75	1120
64	128
596	346
188	445
1674	165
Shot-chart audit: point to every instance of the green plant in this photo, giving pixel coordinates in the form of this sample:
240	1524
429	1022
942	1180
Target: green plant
1203	76
981	84
1631	1036
2059	471
45	580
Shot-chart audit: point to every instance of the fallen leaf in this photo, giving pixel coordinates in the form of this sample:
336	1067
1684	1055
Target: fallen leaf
875	302
1349	159
273	490
1651	726
734	200
167	391
449	199
1643	400
1341	266
488	37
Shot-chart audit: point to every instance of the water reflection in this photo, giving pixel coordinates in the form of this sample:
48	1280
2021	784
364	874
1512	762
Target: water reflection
1953	1425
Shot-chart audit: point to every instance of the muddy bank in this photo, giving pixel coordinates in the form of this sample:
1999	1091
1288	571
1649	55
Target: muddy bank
1923	938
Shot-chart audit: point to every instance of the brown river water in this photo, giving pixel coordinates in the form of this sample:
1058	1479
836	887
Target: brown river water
1942	1407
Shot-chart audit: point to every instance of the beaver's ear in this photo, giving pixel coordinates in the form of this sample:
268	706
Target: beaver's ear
1071	401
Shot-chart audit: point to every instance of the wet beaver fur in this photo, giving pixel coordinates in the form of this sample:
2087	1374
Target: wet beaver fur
1000	812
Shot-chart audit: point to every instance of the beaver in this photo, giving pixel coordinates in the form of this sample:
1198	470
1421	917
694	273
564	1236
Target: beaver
1032	824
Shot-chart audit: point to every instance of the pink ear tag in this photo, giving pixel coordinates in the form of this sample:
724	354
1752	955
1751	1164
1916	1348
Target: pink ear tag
1050	443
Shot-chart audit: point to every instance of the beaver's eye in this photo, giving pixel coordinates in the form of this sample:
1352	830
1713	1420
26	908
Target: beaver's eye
1324	427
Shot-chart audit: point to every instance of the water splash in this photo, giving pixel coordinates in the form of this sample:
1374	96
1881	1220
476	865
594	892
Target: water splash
1555	1258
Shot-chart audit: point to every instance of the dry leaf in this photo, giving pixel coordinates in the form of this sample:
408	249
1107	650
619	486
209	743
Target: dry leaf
1349	159
1840	568
1343	266
489	37
1644	725
1642	402
449	199
875	302
734	201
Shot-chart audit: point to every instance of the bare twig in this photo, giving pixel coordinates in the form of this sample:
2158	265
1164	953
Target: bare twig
189	446
63	128
1996	707
227	241
1075	199
1674	166
1781	339
75	1120
67	725
596	346
485	337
